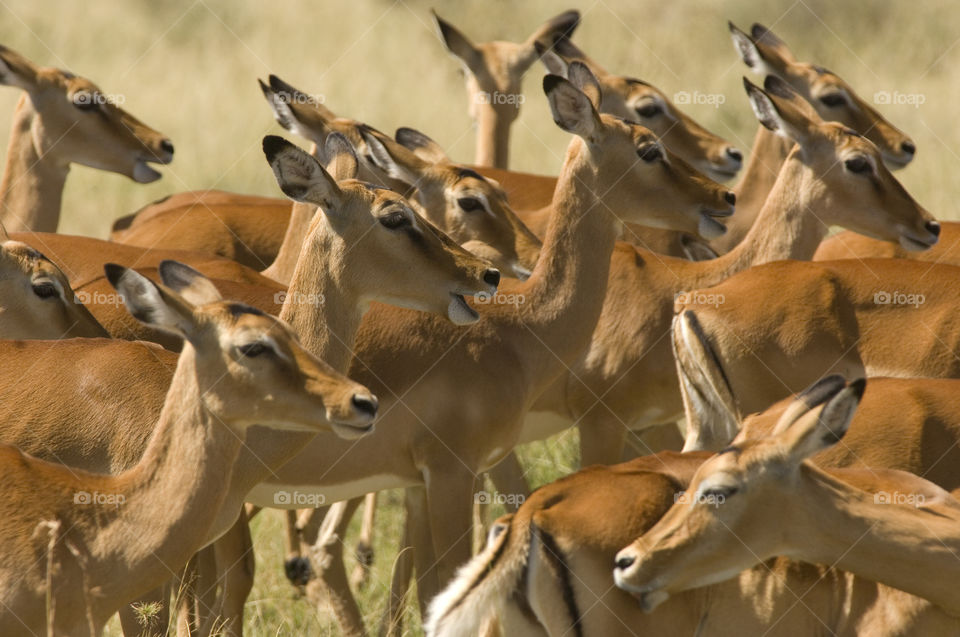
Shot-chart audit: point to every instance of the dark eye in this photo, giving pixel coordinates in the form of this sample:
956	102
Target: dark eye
84	101
45	290
857	165
649	153
650	109
469	204
833	99
394	220
253	349
721	493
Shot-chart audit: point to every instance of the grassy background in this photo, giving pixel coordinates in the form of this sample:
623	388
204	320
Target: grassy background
188	68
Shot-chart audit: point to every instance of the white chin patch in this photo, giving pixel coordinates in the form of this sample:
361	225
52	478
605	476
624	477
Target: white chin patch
910	245
710	228
144	174
651	600
459	312
350	433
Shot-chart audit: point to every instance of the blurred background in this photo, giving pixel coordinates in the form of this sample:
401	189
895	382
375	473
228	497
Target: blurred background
189	68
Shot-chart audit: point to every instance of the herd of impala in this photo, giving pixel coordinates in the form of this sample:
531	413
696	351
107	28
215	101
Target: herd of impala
223	353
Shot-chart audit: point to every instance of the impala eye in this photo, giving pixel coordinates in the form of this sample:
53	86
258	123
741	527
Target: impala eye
857	165
649	153
394	220
470	204
650	109
833	99
45	290
253	349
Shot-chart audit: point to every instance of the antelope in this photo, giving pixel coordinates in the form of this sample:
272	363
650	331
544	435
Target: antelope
834	100
455	198
331	288
761	498
761	344
70	559
493	72
845	245
627	378
527	342
63	119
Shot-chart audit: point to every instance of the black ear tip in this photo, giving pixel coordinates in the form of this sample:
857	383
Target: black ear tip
777	86
272	145
858	387
114	272
733	28
758	30
551	82
748	85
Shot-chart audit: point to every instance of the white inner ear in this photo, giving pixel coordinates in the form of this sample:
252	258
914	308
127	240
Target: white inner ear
764	110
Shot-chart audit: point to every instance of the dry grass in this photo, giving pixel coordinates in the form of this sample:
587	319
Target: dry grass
188	68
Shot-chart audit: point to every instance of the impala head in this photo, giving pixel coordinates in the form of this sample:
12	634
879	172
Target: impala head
647	105
388	249
718	531
250	366
78	123
632	165
833	98
470	208
494	70
857	190
38	302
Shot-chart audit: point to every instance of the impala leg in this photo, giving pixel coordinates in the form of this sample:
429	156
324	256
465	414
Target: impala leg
131	619
602	437
364	549
421	539
509	479
233	553
185	598
450	497
326	557
415	505
296	565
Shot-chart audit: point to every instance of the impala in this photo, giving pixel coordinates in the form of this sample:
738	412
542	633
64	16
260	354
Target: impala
760	498
546	571
77	545
63	119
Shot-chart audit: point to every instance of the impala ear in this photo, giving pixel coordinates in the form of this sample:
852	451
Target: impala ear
397	162
342	162
815	431
421	146
777	115
458	44
766	39
300	175
746	48
192	285
16	70
557	28
583	78
296	111
572	110
554	63
151	304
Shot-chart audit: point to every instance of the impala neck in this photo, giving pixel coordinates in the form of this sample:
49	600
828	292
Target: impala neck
32	185
172	495
283	266
493	139
785	227
899	545
769	152
565	293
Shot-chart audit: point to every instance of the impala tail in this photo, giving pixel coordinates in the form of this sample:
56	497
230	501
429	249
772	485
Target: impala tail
711	410
483	584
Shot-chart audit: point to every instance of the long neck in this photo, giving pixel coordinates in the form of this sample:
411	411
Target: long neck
760	175
283	266
897	544
32	185
785	228
493	139
172	495
564	295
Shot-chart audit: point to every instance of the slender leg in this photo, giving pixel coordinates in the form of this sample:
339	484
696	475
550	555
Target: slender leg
450	497
326	557
364	549
602	438
233	553
295	564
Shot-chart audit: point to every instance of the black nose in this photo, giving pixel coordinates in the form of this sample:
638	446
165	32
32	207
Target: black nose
731	197
167	146
934	228
625	562
492	276
734	154
908	147
366	404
